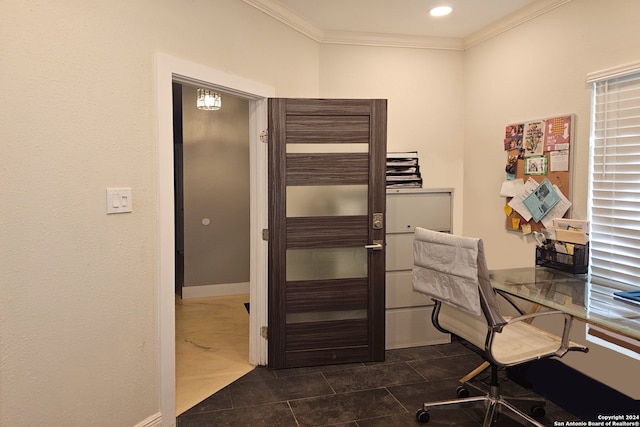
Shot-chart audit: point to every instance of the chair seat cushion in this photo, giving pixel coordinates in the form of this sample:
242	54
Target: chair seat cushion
522	341
517	343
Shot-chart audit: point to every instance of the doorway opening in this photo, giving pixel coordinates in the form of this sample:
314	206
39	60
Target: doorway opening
212	203
169	70
212	262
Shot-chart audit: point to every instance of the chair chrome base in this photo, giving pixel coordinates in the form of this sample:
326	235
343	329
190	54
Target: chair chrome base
494	404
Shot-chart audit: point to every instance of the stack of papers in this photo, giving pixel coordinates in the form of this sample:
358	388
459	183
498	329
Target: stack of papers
568	230
403	170
540	202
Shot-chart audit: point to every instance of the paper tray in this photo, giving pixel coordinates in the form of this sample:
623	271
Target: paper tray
571	236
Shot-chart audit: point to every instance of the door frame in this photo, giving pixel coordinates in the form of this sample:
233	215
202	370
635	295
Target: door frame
168	70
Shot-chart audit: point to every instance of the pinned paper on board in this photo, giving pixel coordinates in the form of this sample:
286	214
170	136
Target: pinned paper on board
558	210
557	133
535	165
534	138
517	202
559	160
541	200
511	187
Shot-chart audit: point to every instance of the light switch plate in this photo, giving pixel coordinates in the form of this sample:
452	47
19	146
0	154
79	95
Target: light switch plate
119	200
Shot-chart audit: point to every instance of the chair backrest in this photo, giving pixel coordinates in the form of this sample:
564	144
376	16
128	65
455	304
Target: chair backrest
488	298
453	270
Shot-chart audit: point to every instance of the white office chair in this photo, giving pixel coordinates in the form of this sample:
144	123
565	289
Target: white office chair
452	270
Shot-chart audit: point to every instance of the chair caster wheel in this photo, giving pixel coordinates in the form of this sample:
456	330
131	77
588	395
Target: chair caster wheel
422	416
538	411
462	391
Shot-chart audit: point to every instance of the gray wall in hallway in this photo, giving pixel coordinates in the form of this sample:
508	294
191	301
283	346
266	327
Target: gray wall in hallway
216	187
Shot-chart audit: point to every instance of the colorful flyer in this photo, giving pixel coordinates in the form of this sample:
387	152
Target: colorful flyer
557	134
513	137
534	138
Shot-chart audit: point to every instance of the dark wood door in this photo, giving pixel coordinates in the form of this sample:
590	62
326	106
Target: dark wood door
327	189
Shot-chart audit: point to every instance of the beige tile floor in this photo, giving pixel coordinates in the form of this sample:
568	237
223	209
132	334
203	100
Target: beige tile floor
212	346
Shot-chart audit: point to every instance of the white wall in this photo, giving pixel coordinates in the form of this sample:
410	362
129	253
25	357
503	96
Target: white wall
425	104
534	71
79	317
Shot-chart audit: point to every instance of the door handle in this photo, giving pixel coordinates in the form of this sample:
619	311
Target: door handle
376	245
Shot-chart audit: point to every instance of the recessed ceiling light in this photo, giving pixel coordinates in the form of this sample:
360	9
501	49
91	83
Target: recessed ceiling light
440	11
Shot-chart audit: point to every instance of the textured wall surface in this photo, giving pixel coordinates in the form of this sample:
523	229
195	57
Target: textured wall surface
79	288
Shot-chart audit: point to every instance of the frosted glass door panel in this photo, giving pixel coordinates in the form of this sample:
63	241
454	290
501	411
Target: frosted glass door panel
332	263
327	200
323	316
327	148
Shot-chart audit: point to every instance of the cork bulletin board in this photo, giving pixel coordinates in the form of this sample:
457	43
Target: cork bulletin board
540	150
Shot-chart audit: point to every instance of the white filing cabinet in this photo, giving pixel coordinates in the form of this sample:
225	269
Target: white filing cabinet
408	313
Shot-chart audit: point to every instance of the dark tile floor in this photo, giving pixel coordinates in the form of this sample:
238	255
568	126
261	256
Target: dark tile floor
356	395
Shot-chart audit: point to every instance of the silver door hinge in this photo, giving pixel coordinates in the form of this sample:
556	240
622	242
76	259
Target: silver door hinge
264	332
264	136
265	234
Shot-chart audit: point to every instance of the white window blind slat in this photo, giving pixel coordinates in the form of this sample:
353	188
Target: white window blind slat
627	136
614	199
627	93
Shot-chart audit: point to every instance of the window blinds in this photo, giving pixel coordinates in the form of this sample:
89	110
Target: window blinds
614	202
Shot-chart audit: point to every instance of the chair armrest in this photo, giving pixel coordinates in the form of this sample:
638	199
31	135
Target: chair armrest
534	315
528	317
565	344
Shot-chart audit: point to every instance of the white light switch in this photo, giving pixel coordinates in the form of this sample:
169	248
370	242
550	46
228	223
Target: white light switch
119	200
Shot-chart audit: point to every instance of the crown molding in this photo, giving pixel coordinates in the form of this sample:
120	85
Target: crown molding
513	20
392	40
288	17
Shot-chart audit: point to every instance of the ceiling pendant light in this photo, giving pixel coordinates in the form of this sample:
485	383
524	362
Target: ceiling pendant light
208	100
440	11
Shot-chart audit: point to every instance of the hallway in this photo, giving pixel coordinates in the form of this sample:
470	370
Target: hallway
212	346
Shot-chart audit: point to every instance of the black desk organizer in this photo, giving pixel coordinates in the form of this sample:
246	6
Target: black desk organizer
578	263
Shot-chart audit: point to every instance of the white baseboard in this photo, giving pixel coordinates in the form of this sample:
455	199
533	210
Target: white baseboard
222	289
154	420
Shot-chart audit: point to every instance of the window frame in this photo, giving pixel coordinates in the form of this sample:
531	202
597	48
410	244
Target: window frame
597	80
